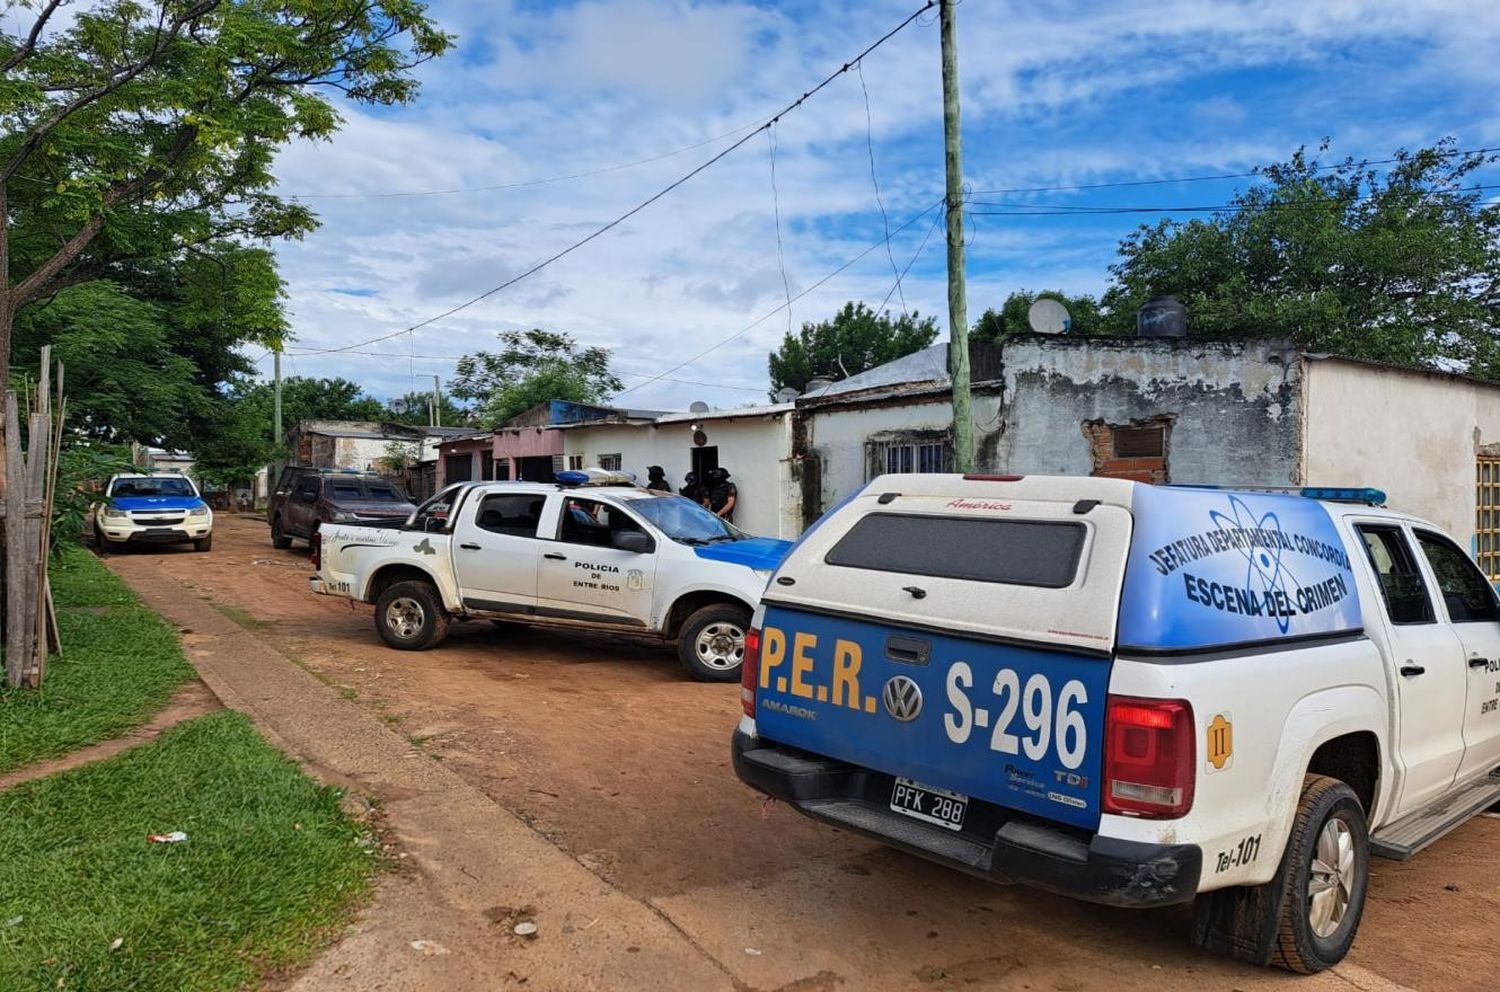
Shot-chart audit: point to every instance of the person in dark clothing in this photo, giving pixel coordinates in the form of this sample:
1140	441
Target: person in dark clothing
656	478
694	490
722	494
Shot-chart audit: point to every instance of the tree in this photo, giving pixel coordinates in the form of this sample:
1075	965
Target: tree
532	367
855	339
416	408
997	325
146	130
1401	266
241	441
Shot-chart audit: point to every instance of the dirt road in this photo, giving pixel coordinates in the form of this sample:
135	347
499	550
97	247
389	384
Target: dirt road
606	748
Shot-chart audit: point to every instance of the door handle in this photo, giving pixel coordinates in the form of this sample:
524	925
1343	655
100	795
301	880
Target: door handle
471	547
555	557
1478	662
1409	670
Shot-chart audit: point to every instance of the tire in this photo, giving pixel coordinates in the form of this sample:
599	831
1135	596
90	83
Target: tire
1279	923
711	643
279	540
101	543
409	616
204	543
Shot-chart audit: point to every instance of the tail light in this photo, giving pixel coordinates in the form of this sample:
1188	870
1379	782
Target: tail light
317	550
750	671
1149	757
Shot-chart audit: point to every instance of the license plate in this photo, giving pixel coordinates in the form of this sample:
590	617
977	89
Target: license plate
929	804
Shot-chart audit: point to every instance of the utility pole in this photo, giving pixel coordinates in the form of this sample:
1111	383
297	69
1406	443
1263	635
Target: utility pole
958	308
437	402
275	475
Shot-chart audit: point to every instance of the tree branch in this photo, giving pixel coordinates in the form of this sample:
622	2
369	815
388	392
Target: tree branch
24	52
164	35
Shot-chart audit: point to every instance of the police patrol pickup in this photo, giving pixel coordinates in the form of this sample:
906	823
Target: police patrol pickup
593	551
1137	695
155	508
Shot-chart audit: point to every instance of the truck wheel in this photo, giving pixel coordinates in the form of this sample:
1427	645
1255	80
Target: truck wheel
711	644
1303	919
1327	864
410	616
204	543
101	543
279	540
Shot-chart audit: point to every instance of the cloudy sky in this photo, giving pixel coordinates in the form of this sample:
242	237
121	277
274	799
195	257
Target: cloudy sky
550	119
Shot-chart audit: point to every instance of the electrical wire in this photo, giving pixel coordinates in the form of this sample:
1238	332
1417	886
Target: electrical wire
915	255
717	157
874	181
1257	171
527	184
786	286
768	315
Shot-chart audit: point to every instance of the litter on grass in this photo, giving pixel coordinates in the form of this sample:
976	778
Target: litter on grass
175	837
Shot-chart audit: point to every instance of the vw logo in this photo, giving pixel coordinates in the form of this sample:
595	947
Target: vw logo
902	698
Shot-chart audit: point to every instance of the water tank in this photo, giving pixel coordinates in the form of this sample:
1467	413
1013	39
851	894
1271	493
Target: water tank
1161	317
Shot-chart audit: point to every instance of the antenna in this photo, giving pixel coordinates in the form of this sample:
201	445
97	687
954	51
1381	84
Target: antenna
1047	316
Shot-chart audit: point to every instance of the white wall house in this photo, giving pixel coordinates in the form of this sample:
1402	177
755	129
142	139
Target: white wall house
753	443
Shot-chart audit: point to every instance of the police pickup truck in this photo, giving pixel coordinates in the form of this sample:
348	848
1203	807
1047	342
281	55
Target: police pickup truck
593	551
152	508
1136	695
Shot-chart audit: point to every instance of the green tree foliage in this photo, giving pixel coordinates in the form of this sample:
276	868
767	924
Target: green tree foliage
415	408
855	339
141	132
532	367
1401	266
242	441
1010	319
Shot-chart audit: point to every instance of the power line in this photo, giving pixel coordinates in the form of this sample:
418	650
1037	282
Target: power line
1068	210
526	184
874	181
649	200
769	314
1257	171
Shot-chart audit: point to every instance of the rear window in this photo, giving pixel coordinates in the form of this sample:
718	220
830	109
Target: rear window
1014	552
358	489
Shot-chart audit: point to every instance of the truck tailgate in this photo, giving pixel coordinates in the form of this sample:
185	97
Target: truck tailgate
1018	726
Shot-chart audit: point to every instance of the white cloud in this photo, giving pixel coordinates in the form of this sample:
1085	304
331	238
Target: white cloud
1055	92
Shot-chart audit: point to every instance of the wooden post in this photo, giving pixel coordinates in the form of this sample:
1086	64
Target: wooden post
18	625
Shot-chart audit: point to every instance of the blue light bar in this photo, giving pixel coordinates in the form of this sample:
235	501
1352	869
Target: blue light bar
1340	494
571	478
1332	494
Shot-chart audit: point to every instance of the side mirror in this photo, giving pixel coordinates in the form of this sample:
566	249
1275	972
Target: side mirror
631	540
307	497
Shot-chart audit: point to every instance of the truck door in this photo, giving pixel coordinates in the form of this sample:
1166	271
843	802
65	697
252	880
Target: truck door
495	551
1432	678
1475	615
297	515
584	575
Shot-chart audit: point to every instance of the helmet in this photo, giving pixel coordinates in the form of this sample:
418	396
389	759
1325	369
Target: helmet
656	472
721	474
690	478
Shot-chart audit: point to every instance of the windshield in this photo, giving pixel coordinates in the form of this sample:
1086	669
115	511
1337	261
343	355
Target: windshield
685	521
354	490
147	486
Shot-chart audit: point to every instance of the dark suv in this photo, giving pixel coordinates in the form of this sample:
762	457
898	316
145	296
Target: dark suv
306	498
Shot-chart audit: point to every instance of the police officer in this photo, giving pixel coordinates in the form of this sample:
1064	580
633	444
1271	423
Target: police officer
694	490
656	478
722	495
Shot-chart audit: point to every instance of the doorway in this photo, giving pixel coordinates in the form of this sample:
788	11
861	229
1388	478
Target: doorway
705	460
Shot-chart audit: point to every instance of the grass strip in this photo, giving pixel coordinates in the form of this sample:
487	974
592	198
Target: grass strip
271	869
120	664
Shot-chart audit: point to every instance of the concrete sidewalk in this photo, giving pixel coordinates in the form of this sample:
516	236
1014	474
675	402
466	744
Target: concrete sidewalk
475	869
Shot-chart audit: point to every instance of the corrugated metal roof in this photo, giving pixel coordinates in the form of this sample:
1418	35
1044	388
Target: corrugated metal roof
928	365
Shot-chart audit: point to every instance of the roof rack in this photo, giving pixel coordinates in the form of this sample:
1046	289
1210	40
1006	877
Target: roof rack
1364	495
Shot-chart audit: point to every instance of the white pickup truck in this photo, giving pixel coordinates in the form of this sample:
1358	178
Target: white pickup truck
605	557
1136	695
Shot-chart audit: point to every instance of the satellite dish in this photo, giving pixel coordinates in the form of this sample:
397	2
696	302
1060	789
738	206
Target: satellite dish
698	406
786	395
1047	316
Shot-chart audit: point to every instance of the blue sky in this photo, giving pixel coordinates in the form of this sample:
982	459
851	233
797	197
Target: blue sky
1054	93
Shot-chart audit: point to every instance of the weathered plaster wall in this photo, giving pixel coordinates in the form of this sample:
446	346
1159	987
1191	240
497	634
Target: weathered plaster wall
1414	435
1234	406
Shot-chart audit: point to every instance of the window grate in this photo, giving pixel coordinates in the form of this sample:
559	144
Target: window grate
1140	442
908	456
1487	516
610	463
